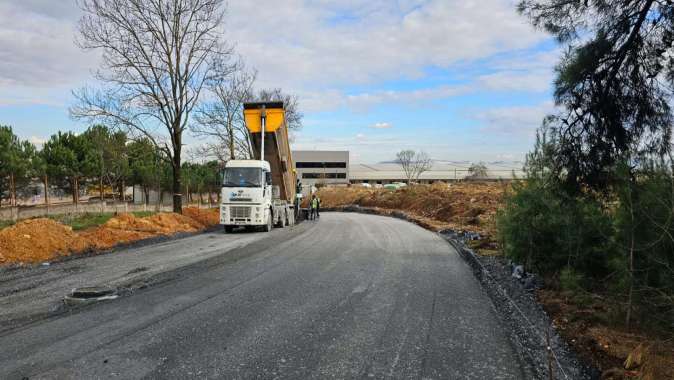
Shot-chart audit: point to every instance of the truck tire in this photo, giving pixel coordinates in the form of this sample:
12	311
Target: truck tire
270	223
229	229
281	221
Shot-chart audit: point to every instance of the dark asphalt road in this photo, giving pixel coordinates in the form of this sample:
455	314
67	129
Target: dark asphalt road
350	296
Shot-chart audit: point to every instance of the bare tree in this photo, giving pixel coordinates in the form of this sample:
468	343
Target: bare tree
221	121
290	103
157	58
477	171
422	163
413	163
405	158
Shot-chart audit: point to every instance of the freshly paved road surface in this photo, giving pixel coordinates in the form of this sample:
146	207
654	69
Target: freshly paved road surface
349	296
35	291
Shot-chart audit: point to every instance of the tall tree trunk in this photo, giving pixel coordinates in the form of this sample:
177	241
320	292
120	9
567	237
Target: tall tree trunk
123	194
74	188
630	292
122	190
177	180
46	192
232	151
100	191
160	197
12	190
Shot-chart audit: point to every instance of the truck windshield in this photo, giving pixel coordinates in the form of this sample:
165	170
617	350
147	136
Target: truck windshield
242	177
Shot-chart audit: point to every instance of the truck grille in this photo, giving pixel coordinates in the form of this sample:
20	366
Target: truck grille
238	212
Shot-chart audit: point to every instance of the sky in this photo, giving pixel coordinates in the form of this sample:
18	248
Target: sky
461	80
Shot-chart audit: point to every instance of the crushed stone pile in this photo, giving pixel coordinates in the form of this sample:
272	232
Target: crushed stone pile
36	240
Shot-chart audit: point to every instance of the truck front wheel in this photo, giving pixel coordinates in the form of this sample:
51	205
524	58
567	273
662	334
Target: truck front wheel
229	229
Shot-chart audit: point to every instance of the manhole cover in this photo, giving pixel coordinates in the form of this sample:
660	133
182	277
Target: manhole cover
90	294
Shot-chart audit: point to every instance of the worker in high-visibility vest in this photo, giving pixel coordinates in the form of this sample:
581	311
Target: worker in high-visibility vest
315	206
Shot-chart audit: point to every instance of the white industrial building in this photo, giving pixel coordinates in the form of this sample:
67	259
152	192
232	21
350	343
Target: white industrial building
321	166
440	171
334	168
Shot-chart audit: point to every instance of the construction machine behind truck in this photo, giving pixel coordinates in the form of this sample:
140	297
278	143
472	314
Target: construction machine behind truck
261	192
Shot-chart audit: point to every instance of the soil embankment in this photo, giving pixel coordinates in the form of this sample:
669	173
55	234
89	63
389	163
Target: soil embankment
465	206
42	239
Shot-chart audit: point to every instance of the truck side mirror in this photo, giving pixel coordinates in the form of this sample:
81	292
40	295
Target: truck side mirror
267	178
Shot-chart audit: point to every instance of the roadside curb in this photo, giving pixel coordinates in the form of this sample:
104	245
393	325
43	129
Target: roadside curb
529	334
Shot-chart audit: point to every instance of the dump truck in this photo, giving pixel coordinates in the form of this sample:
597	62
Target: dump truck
261	192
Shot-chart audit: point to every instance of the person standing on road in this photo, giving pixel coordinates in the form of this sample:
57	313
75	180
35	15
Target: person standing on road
313	204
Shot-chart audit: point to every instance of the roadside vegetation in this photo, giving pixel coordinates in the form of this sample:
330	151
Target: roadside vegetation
606	255
100	163
596	215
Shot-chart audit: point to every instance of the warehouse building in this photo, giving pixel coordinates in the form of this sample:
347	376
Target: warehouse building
321	166
334	168
440	171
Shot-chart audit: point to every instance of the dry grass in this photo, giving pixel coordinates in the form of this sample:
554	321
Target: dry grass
591	329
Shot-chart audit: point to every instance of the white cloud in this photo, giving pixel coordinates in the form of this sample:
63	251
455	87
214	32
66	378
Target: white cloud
37	49
38	141
515	121
312	48
313	101
534	81
300	44
382	125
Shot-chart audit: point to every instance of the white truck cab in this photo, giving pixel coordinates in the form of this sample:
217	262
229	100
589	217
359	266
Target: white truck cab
250	199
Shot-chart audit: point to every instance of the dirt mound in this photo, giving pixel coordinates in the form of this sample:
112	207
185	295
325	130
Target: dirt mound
464	205
172	223
106	238
162	224
37	240
207	217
